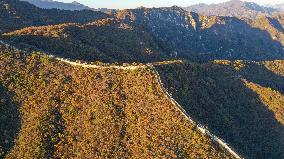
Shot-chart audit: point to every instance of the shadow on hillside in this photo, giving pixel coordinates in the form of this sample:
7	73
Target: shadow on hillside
92	43
10	121
235	39
51	126
215	96
229	38
276	24
259	74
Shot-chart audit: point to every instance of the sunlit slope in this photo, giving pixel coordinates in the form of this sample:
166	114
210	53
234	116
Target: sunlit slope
242	102
73	112
106	40
275	66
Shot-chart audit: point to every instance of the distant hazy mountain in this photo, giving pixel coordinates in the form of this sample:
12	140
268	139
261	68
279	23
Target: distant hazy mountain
233	8
279	7
49	4
15	14
148	34
54	109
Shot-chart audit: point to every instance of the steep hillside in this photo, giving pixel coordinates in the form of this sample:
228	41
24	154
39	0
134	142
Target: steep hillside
275	66
200	37
15	14
149	34
62	111
233	8
242	102
50	4
106	40
54	108
273	25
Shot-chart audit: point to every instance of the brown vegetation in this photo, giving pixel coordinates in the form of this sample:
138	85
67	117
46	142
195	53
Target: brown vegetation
74	112
105	40
242	102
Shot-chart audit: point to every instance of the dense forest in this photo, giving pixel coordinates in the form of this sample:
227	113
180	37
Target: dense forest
15	14
61	111
230	78
242	102
106	40
201	38
147	35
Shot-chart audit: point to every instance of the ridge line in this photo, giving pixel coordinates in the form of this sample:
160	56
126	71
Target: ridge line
199	126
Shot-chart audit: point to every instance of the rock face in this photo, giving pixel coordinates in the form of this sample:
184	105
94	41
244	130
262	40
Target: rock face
211	37
234	8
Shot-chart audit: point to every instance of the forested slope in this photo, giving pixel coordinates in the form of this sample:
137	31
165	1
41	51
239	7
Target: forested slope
106	40
242	102
200	38
161	32
153	34
15	14
50	109
234	8
61	111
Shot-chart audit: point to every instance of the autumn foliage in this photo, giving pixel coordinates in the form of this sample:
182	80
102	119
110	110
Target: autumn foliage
240	101
74	112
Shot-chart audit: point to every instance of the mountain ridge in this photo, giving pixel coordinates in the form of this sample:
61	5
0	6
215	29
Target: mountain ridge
18	14
51	4
64	101
160	33
235	8
73	6
57	125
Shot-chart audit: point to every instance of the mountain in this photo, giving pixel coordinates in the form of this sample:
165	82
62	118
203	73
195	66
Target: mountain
233	8
139	83
50	4
16	14
142	35
240	101
50	109
279	7
106	40
195	36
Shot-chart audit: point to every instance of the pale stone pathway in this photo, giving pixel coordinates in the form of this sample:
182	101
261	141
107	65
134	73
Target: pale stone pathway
200	127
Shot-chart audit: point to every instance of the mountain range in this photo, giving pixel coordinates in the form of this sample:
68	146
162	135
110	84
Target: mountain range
231	8
236	8
51	4
140	83
141	35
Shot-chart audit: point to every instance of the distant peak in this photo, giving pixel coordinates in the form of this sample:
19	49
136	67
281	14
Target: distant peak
236	1
175	7
75	2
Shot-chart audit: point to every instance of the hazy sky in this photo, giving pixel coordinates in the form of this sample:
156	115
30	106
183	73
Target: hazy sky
154	3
